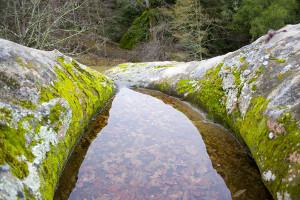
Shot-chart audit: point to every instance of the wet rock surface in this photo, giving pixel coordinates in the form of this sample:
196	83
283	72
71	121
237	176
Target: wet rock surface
253	91
46	100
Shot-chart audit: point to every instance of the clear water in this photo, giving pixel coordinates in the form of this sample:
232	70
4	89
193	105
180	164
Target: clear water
140	147
101	68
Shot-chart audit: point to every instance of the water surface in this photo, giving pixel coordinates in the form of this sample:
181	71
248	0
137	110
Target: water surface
140	147
101	68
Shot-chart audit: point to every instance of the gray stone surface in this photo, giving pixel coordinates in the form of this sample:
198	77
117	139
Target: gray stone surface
45	102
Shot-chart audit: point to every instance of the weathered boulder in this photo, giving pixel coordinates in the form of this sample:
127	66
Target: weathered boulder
254	91
46	100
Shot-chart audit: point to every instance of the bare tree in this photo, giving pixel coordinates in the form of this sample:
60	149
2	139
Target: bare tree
190	26
98	14
43	24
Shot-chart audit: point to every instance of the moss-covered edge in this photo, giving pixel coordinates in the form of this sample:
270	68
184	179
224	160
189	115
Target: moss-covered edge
251	129
86	92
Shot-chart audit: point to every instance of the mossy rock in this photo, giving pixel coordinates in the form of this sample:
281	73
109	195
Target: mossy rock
139	31
46	101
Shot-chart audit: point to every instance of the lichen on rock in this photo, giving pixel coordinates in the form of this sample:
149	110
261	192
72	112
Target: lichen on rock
253	91
46	100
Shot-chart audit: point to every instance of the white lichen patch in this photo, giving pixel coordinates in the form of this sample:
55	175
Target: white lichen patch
246	73
267	56
228	81
271	135
10	186
285	196
33	180
286	69
245	98
231	101
269	176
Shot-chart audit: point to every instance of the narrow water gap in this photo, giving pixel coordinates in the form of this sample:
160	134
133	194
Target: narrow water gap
140	147
101	68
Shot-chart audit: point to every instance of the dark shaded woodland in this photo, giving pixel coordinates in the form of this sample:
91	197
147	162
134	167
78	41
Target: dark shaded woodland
149	29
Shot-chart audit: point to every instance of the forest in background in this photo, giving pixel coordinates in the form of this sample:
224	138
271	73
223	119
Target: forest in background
149	30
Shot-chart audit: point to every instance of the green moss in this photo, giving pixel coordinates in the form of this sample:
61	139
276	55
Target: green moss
254	124
38	127
86	95
279	76
138	32
285	119
123	66
186	86
293	53
278	60
244	66
237	75
209	72
140	64
30	64
61	59
46	95
26	104
270	153
252	80
259	70
257	73
161	86
20	62
56	128
208	94
240	91
164	66
55	112
28	194
211	93
23	64
13	144
242	59
5	114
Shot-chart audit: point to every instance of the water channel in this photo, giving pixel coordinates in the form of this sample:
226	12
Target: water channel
147	145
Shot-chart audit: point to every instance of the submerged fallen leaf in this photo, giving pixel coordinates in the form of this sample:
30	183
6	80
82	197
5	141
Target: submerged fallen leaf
239	193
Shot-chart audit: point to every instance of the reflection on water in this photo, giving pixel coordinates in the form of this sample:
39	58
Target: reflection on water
149	150
100	68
